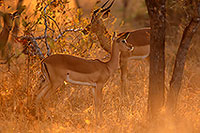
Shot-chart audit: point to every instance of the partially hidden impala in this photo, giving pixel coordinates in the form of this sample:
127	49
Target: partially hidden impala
58	68
139	39
8	19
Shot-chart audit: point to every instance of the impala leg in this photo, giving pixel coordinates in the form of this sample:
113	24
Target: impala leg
51	91
98	98
42	97
46	99
39	93
37	98
42	86
123	67
42	92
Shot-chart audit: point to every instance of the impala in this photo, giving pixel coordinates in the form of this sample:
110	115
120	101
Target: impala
139	39
61	67
8	19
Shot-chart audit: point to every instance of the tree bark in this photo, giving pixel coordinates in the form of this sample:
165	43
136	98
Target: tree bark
156	11
175	83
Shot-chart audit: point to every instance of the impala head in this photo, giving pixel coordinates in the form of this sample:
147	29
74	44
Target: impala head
122	43
8	19
98	16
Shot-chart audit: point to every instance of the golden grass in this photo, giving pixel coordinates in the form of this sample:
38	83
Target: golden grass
72	108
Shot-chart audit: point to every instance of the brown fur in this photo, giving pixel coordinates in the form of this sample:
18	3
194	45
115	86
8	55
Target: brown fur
139	39
60	67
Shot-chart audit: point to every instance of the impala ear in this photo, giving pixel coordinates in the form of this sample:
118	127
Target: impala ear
106	14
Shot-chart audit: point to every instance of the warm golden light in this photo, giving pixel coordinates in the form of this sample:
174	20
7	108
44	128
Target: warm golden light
71	108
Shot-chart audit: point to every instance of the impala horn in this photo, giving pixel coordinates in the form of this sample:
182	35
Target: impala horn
101	7
108	7
104	6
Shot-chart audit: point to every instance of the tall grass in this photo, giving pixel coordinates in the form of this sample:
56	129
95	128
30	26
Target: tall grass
72	107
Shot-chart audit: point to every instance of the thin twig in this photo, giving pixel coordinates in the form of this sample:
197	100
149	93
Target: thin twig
7	60
55	40
55	23
51	29
39	37
67	30
45	32
35	44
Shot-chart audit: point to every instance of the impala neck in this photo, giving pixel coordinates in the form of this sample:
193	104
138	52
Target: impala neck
104	38
114	60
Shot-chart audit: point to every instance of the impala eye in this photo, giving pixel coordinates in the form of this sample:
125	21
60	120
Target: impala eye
124	41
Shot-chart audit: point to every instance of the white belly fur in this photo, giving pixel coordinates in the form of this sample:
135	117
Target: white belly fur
79	82
138	57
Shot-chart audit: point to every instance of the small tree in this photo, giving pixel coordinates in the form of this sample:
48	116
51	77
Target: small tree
156	11
190	30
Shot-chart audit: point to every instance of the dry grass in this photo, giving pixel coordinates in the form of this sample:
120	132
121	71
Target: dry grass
72	108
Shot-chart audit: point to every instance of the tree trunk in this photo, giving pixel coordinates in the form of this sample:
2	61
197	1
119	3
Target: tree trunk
156	11
175	83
